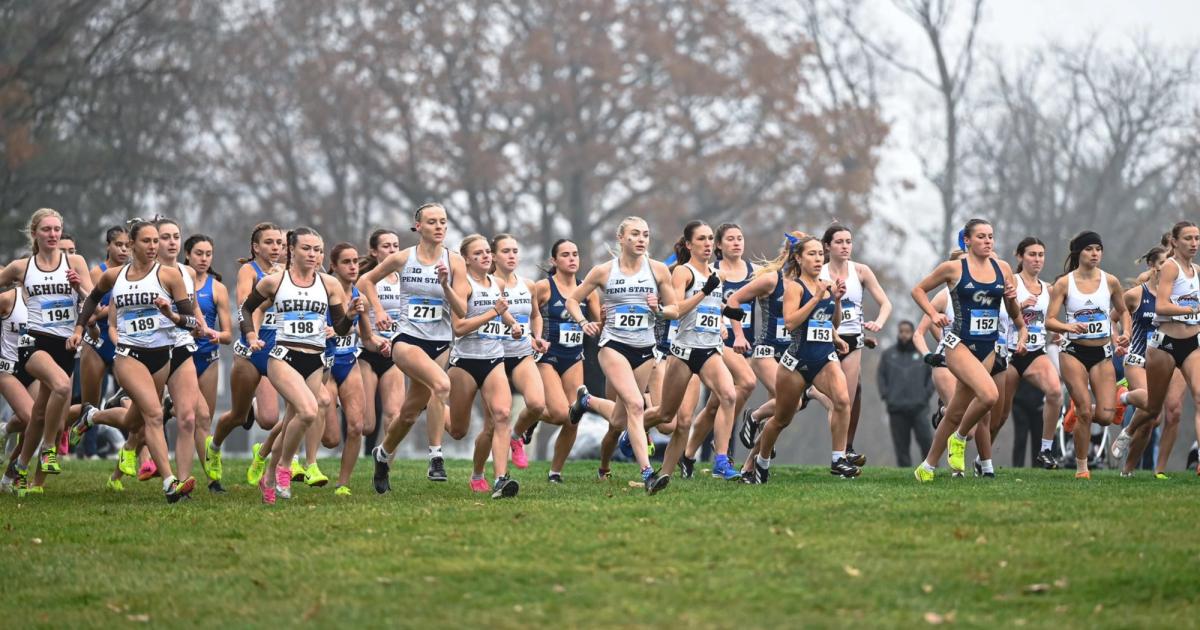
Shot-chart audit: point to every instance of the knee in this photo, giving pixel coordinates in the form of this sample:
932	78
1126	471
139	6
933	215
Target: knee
728	397
187	423
354	428
537	409
61	386
1054	397
745	390
841	402
441	389
501	417
988	396
683	422
331	441
635	407
456	433
153	418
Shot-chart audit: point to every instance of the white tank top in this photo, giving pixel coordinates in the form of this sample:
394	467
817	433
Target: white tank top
1034	316
184	337
392	303
1185	292
520	305
485	342
302	312
1089	308
701	327
52	302
852	317
423	302
628	319
139	324
12	327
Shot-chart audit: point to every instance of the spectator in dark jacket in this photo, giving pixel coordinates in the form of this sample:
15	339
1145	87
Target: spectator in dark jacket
906	385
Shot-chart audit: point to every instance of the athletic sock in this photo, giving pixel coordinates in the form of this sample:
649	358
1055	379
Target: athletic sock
435	451
986	464
476	476
381	455
838	455
764	463
1047	445
167	481
555	472
927	467
1081	464
960	436
1125	398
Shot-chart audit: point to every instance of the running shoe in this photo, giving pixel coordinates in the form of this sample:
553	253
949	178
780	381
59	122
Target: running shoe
82	424
923	475
21	483
603	474
1120	445
579	406
258	466
1126	475
519	459
978	467
479	485
1046	460
624	445
168	407
180	489
749	478
1193	458
297	469
212	460
382	469
341	491
687	467
215	487
654	482
148	471
48	462
649	446
988	475
437	469
938	414
761	475
956	451
1119	409
39	490
805	397
527	436
268	490
64	443
1069	419
505	488
749	430
127	462
554	478
250	421
1159	475
957	474
857	459
724	470
114	485
115	400
314	478
283	482
1083	474
844	469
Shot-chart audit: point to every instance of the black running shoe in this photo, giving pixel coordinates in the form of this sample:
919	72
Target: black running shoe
1046	460
656	482
844	469
250	415
938	414
179	489
749	430
978	468
382	469
1193	458
554	478
805	398
437	469
603	474
527	436
575	413
749	478
215	487
857	459
505	488
761	474
687	467
114	400
168	408
988	475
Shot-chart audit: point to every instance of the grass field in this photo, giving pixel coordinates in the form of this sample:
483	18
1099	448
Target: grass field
1033	548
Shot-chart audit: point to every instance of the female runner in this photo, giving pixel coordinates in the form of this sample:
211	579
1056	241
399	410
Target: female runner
1088	293
380	376
96	358
212	298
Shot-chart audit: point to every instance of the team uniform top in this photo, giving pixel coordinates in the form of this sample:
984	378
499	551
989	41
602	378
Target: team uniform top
424	312
563	335
270	321
184	337
852	315
485	342
11	329
1145	324
208	308
1034	316
302	312
520	306
344	348
813	338
1006	334
1088	308
728	288
50	299
139	323
628	319
700	327
976	307
772	330
1185	292
392	303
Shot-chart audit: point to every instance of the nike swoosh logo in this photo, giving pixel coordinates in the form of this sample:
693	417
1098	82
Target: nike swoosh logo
642	281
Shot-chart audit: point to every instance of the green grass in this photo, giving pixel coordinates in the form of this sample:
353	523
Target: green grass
805	550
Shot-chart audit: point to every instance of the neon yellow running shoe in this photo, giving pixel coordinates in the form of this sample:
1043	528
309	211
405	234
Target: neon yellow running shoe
314	478
21	485
956	451
49	461
649	448
114	485
258	466
127	462
923	475
212	460
342	491
36	490
297	469
1161	476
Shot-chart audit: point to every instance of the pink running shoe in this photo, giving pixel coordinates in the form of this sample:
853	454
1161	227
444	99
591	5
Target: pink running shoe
268	490
64	443
283	481
519	459
148	471
480	485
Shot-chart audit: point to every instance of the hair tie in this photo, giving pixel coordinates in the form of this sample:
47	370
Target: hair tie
962	240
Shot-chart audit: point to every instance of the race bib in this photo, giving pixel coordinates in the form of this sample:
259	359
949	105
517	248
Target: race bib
632	317
493	329
1108	350
1135	360
7	366
1154	339
851	314
819	331
570	335
424	310
764	352
393	326
523	320
302	324
327	361
58	312
781	332
345	344
140	323
708	319
1187	301
747	316
270	319
1036	336
788	361
25	341
241	349
1096	322
278	352
983	322
950	340
680	352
